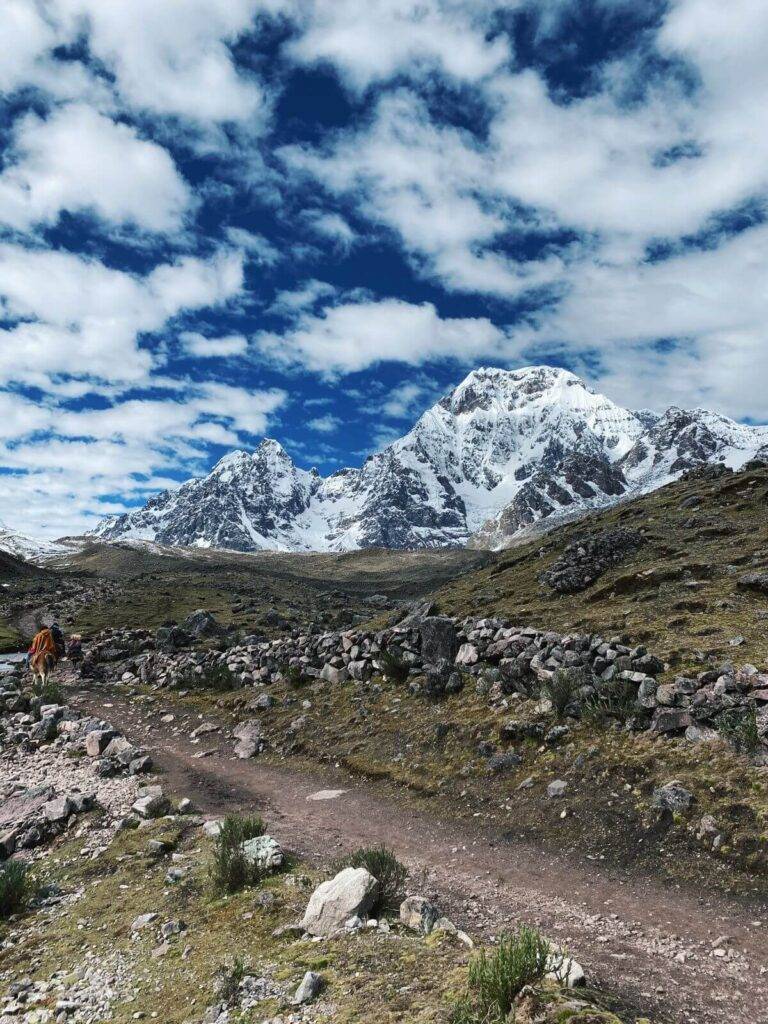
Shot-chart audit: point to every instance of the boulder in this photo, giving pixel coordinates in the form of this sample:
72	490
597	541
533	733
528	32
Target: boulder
250	740
264	852
151	803
351	893
670	720
201	623
564	970
309	989
757	581
468	655
672	796
418	914
439	641
556	789
498	763
58	809
97	741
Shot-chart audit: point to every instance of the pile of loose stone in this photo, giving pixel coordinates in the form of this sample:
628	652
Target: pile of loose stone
40	789
435	655
587	558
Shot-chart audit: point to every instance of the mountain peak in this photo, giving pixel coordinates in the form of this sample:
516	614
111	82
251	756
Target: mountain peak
504	450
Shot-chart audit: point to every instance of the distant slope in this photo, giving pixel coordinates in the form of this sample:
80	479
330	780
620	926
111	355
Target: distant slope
679	591
505	450
11	566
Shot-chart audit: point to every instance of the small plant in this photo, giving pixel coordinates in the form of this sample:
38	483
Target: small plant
497	978
228	979
393	667
562	687
231	870
390	873
218	677
16	887
295	677
614	700
739	727
48	691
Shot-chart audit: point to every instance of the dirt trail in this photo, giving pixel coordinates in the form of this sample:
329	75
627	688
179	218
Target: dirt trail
652	945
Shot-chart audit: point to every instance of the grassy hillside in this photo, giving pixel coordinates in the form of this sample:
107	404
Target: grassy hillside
677	593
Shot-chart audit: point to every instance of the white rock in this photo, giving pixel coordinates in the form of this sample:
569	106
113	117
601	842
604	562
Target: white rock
351	893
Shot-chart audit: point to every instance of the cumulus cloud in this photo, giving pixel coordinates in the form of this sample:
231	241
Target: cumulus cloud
377	40
214	348
77	159
354	336
87	319
429	184
327	424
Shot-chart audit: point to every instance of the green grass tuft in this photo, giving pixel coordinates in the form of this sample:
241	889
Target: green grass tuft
390	873
497	978
230	870
16	887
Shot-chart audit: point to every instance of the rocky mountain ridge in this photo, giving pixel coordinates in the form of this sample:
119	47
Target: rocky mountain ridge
504	451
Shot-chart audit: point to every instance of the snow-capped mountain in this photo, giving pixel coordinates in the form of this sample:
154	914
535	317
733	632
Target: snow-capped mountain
506	449
28	548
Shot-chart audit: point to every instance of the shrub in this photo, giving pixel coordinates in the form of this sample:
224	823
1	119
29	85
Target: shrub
219	677
739	727
390	873
49	691
295	677
562	688
497	978
228	978
616	699
393	667
16	887
231	870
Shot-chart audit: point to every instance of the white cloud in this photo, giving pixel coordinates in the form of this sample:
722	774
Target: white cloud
296	300
429	184
65	482
409	398
169	59
87	319
214	348
327	424
79	160
357	335
379	39
711	306
333	226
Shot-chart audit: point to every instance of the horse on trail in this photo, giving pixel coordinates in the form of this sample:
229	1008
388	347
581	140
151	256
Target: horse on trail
43	656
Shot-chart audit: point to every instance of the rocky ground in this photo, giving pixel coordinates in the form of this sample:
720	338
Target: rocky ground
123	923
571	735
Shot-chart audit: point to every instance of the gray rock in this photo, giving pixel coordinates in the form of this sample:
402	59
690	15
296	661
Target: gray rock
309	989
418	914
58	809
143	921
265	852
556	789
151	803
97	741
670	720
439	641
672	796
505	762
351	893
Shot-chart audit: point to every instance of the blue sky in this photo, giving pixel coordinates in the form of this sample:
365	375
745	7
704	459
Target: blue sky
221	219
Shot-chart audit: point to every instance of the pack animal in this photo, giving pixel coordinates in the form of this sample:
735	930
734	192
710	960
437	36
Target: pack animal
43	656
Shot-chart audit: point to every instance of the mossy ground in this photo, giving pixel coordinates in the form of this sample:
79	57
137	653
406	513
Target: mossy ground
370	976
